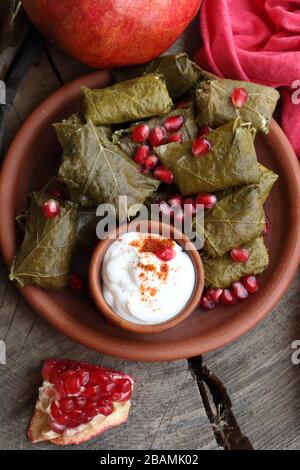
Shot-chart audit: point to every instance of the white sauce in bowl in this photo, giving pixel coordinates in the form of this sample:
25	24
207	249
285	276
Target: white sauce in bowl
139	286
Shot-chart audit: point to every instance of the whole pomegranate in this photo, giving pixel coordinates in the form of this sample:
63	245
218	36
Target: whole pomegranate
112	33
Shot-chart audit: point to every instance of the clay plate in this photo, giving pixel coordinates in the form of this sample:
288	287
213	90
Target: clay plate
34	156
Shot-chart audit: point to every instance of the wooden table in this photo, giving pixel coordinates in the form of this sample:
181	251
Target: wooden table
167	411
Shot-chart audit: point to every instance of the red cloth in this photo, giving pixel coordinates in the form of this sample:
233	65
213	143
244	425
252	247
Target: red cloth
259	41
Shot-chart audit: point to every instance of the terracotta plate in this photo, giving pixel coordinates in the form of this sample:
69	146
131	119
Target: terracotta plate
34	156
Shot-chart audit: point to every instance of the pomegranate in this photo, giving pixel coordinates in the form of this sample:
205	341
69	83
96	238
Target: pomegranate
240	255
204	130
50	208
207	200
140	133
239	97
151	162
110	33
189	207
76	283
165	254
240	291
251	284
164	174
175	200
228	297
214	294
173	123
207	303
201	147
157	136
175	137
141	154
79	394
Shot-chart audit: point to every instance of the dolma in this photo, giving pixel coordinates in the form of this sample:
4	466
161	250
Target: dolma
267	179
131	100
214	104
189	130
44	256
231	161
179	72
237	219
222	271
101	171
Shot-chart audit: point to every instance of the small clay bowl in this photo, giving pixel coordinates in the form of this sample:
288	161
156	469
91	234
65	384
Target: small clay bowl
153	227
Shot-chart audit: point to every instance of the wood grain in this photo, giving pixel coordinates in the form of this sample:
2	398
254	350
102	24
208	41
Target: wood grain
167	411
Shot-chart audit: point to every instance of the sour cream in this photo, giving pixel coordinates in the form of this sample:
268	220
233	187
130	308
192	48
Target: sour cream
139	286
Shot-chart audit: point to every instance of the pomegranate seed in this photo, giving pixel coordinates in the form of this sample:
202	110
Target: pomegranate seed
201	147
49	371
204	130
175	200
151	162
105	409
80	403
189	207
76	283
175	137
140	133
93	391
50	209
182	104
66	404
56	427
165	254
267	226
84	376
214	294
240	291
250	283
123	385
72	384
207	200
239	97
141	154
173	123
97	376
57	413
59	387
164	174
164	209
240	255
178	215
56	193
157	136
207	303
228	297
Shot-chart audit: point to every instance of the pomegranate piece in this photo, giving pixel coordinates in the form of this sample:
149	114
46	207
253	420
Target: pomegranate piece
57	193
164	174
207	200
201	147
141	154
76	283
151	162
267	226
175	200
207	303
165	254
239	97
240	255
157	136
240	291
214	294
182	104
173	123
250	283
204	130
228	297
178	215
175	137
164	208
140	133
189	207
50	209
99	392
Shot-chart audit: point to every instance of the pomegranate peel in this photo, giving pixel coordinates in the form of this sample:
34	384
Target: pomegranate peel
64	415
